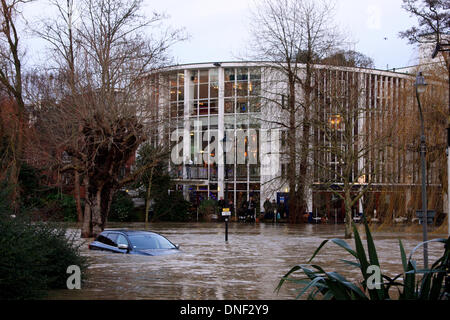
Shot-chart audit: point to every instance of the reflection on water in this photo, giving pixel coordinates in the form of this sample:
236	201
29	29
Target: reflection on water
248	266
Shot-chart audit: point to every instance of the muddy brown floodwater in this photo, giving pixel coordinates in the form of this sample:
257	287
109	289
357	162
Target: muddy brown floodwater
248	266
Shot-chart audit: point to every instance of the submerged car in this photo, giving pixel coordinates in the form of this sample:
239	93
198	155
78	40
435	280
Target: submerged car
133	242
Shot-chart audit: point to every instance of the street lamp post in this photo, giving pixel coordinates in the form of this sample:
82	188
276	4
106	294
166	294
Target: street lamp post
420	88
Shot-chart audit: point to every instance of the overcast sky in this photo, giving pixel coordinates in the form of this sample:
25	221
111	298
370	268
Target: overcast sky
219	28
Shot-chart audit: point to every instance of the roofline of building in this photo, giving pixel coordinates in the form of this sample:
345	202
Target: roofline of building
415	66
255	63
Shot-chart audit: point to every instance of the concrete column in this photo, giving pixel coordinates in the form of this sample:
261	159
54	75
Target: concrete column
221	124
309	200
361	125
360	205
186	133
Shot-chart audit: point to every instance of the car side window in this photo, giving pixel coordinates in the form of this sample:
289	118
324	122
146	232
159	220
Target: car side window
113	238
121	240
103	238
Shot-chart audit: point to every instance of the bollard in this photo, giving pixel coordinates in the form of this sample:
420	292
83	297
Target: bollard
226	213
226	229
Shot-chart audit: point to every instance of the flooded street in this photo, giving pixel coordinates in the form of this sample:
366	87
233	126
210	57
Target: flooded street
248	266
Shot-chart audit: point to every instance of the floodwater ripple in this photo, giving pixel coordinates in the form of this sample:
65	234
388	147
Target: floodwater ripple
248	266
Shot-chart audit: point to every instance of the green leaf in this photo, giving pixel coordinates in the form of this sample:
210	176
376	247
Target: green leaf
312	295
344	245
341	243
358	294
403	256
436	286
286	277
425	287
422	243
338	289
317	250
375	294
361	253
310	285
328	296
408	274
370	246
426	271
351	263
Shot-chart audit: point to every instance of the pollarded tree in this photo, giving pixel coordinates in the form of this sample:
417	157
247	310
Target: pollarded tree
102	106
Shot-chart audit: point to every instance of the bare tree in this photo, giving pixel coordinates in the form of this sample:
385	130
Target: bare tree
11	54
433	21
432	29
433	18
349	58
293	36
60	33
433	101
349	136
102	111
153	156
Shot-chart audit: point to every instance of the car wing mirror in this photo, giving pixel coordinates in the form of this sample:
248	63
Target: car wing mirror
177	246
122	246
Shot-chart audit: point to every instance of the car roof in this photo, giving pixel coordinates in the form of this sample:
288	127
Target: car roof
129	232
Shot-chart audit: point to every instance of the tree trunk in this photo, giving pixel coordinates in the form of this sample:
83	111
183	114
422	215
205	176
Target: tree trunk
147	198
106	201
96	205
86	229
14	183
16	150
302	175
304	150
348	214
78	196
292	145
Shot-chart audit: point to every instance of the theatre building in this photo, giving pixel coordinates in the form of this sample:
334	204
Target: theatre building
225	124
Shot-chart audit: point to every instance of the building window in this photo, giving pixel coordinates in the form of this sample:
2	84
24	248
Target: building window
213	106
242	105
176	91
229	106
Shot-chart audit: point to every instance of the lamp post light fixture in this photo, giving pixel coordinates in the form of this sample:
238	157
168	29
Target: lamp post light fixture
420	85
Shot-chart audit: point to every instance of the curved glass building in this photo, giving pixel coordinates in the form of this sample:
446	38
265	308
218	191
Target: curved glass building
227	126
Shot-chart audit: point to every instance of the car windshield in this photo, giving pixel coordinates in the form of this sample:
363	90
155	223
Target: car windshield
150	241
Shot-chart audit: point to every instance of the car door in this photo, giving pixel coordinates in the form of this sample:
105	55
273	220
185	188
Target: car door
121	239
116	239
108	242
105	241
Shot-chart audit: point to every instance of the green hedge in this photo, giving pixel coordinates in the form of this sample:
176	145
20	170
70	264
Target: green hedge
172	207
34	258
122	208
61	207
